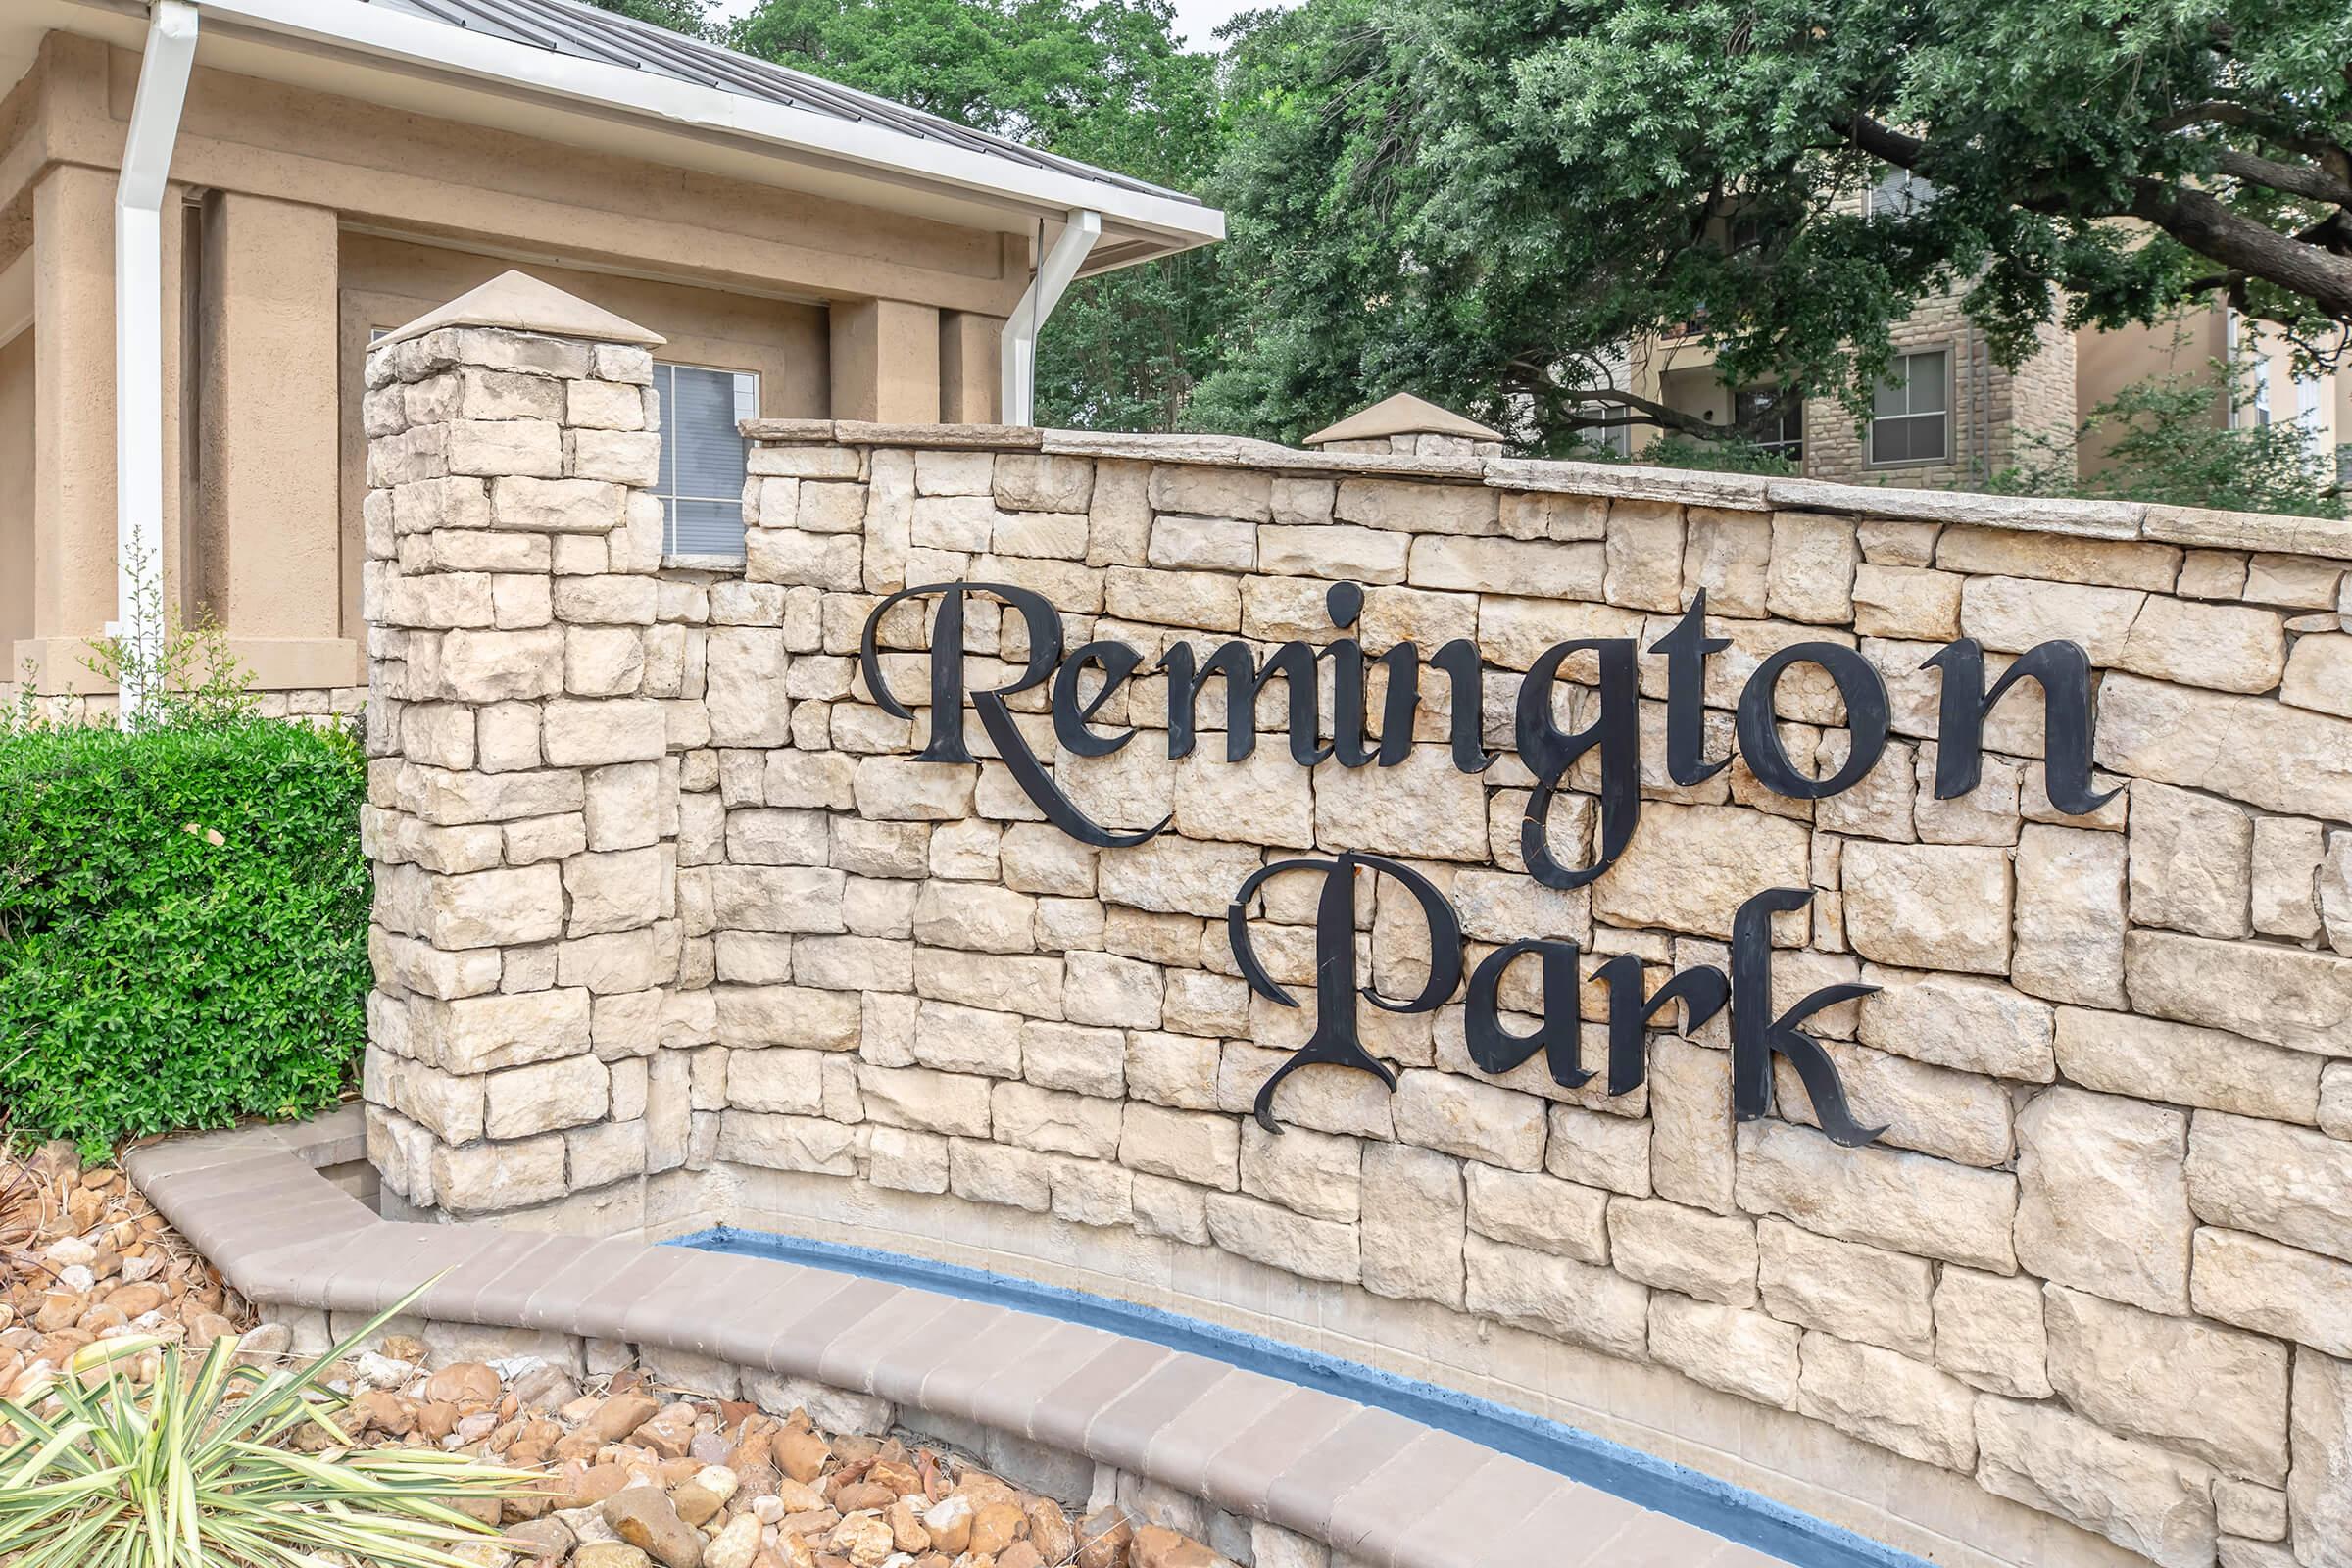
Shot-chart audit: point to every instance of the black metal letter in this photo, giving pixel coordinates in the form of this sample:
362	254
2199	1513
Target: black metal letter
1866	718
1072	713
1495	1048
1757	1035
1466	702
2062	671
1702	990
1335	1039
1549	755
1687	648
1244	678
1350	746
947	743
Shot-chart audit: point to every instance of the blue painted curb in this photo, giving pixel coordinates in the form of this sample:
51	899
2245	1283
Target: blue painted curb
1696	1499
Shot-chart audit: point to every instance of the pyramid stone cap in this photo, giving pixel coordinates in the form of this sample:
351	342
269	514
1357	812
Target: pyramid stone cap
1403	414
516	302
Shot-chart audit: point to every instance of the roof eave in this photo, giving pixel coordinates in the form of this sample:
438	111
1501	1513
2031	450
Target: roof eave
1146	225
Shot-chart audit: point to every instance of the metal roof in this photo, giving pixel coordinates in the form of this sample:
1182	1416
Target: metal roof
569	28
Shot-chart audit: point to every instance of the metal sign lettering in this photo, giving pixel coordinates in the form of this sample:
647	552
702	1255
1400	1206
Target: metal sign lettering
1613	739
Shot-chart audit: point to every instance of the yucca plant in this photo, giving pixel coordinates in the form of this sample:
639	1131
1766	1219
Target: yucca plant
193	1468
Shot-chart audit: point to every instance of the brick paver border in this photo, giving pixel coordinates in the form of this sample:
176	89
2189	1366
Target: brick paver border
1384	1490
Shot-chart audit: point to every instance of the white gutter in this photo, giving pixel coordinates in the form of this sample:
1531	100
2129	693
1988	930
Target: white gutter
139	341
869	148
1018	368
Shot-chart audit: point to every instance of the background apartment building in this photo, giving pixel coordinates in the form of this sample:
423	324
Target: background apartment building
1946	414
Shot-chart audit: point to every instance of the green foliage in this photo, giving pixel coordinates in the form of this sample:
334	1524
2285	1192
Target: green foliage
2172	443
187	673
184	919
1487	200
1730	454
197	1465
689	17
1099	80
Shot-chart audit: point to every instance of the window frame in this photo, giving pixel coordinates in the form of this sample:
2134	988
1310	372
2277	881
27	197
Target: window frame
1617	440
1870	437
1783	444
1920	192
671	496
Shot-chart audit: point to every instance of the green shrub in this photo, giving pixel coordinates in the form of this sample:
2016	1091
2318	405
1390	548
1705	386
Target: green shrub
183	923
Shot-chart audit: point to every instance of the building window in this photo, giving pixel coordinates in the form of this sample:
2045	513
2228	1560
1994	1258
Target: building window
2262	389
1615	438
1898	193
703	458
1778	420
1910	411
2309	412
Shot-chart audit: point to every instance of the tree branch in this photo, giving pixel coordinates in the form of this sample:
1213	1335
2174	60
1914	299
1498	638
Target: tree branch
1645	410
2200	221
2294	179
1884	142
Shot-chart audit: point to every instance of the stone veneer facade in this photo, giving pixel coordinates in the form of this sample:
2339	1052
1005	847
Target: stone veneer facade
672	931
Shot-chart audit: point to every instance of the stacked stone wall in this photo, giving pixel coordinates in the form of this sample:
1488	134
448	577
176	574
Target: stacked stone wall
674	929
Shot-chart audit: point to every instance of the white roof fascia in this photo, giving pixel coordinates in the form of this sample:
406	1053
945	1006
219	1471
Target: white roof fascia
349	26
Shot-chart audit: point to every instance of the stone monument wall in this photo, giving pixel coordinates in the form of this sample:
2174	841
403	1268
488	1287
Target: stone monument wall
675	928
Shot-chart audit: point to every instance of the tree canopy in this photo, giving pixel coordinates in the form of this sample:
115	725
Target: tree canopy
1494	200
1102	80
689	17
1496	205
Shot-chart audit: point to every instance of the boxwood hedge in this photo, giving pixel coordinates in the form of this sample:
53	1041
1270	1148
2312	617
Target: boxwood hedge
183	924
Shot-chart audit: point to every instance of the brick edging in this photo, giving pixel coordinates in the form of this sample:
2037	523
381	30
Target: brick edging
1387	1490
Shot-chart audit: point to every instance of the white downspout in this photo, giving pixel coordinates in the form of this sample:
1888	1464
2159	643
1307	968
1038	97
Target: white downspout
1018	380
139	338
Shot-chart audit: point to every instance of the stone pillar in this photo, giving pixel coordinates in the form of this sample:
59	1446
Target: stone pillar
885	361
522	806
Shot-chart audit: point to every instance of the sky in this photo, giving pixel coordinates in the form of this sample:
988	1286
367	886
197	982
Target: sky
1196	21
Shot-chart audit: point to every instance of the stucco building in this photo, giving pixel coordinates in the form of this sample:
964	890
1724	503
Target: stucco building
281	179
1950	415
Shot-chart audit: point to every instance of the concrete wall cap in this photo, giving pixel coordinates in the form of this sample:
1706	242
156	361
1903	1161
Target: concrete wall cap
516	302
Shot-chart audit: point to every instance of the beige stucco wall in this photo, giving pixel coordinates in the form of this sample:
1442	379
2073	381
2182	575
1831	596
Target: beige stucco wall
16	490
322	217
2189	346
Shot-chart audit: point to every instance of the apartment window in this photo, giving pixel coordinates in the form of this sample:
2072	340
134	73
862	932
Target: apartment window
2262	389
1778	420
2309	390
703	458
1898	193
1616	438
1911	409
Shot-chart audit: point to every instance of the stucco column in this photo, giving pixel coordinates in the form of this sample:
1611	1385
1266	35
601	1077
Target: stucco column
968	366
266	557
886	362
73	421
522	803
